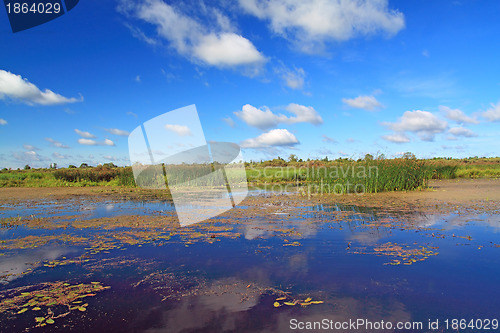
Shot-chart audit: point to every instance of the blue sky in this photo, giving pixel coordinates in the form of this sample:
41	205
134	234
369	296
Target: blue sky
314	78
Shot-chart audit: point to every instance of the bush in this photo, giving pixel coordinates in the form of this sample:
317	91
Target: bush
97	174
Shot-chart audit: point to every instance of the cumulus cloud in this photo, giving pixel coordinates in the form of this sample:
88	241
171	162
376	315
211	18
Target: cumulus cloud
3	121
369	103
180	130
462	131
422	123
90	142
83	134
493	113
328	139
214	44
56	143
15	87
273	138
396	138
310	23
108	142
457	115
227	49
87	142
116	131
264	118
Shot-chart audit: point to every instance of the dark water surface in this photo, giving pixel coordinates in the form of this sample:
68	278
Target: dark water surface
226	275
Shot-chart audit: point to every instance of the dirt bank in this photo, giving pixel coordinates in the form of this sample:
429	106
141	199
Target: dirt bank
477	194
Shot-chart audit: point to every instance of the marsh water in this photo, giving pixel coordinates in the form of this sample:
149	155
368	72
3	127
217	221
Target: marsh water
269	265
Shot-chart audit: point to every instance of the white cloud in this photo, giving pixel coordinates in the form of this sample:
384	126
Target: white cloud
3	121
457	115
227	49
28	156
60	156
132	114
261	118
138	78
56	144
397	138
369	103
273	138
116	131
90	142
108	142
493	113
264	118
87	142
180	130
293	78
423	123
83	134
214	44
303	114
30	147
328	139
309	23
462	131
15	87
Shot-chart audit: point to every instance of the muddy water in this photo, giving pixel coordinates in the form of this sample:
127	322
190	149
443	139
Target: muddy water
268	266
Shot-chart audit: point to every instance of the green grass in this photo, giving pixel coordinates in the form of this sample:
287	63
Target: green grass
364	176
340	176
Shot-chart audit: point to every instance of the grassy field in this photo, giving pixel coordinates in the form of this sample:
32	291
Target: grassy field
339	176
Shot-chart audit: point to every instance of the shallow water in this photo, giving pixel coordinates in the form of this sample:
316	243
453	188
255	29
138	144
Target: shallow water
225	275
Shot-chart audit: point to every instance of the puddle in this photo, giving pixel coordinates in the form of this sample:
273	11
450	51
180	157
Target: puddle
255	268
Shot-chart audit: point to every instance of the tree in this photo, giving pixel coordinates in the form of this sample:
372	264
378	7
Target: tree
53	165
84	165
71	166
27	167
109	165
409	156
292	158
368	157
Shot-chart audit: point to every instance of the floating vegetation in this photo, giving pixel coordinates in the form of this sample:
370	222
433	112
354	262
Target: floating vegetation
48	301
292	302
291	244
403	254
31	241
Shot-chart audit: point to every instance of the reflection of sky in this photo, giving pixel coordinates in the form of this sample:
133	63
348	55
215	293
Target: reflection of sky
18	263
228	312
89	209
